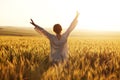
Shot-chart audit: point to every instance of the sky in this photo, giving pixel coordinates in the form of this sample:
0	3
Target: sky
96	15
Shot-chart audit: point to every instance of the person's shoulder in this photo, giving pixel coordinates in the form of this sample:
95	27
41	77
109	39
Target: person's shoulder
64	35
52	36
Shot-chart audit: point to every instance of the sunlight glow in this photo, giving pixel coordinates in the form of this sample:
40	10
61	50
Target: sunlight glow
94	14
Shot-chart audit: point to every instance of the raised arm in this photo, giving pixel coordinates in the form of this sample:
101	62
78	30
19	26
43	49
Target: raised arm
72	25
40	29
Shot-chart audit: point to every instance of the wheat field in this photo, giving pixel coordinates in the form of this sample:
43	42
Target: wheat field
27	58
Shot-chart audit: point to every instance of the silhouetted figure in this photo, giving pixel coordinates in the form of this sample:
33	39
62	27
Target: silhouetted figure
58	42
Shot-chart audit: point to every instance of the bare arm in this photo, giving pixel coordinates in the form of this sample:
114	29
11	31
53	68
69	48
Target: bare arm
40	29
72	25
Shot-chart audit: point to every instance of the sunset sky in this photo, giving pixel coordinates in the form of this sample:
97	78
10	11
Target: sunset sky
94	14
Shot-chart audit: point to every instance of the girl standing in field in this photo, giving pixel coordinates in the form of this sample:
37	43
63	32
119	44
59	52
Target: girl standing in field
58	42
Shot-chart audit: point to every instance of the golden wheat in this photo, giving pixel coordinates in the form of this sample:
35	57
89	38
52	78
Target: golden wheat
26	58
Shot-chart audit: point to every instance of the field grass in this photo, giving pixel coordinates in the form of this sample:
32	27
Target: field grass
17	31
27	58
29	31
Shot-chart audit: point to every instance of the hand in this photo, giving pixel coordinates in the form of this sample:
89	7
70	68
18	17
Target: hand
32	22
77	14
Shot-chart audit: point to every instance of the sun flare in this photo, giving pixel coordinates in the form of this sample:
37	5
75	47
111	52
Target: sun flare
94	15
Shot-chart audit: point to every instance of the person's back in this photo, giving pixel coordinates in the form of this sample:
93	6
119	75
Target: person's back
59	51
58	42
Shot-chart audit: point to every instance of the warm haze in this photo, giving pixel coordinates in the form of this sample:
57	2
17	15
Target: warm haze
96	15
93	46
